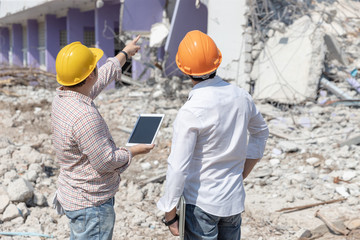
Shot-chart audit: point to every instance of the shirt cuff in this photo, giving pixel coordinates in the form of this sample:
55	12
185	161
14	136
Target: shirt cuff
166	205
129	153
256	148
125	166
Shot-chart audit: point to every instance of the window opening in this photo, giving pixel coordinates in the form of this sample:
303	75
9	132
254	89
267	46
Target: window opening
63	38
89	37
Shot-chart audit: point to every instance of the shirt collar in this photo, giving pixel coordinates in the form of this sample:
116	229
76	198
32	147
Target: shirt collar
205	83
72	94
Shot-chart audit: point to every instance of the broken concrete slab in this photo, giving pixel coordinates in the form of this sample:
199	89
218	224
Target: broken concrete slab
334	49
159	32
289	67
351	141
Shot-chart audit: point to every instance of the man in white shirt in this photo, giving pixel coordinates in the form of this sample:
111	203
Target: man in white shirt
211	153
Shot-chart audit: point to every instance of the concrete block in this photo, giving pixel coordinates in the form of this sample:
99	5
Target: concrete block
289	71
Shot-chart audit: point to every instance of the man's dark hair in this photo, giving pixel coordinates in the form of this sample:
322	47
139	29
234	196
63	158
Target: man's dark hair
195	78
82	82
78	85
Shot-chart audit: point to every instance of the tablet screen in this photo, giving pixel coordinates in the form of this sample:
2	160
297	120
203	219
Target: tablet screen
145	129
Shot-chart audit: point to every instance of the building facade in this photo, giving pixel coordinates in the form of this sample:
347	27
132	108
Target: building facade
33	32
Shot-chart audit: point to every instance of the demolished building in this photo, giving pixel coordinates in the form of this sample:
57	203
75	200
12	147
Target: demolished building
279	51
33	32
303	48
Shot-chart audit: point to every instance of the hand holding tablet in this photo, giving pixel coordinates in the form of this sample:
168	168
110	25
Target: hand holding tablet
146	129
140	149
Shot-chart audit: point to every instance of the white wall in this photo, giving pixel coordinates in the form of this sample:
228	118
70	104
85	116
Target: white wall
226	22
13	6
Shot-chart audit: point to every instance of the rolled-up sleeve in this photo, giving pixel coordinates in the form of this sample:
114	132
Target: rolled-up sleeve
258	134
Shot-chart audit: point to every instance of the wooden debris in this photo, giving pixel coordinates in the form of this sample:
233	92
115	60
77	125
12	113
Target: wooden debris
309	205
279	135
330	225
5	81
155	179
338	179
11	76
8	93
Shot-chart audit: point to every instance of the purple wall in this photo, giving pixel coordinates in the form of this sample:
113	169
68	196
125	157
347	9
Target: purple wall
105	39
74	26
76	21
32	43
139	15
4	45
186	18
17	54
105	19
53	26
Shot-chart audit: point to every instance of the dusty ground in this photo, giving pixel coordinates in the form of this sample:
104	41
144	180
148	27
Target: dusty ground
26	120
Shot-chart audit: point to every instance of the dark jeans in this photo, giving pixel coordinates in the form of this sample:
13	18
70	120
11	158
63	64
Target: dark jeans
205	226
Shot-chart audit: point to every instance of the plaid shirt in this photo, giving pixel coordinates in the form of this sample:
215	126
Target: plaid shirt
90	162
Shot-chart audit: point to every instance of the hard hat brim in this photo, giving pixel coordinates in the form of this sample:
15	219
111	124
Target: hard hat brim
98	53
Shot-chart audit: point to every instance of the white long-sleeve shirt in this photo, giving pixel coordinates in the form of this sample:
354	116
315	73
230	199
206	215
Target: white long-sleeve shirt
210	146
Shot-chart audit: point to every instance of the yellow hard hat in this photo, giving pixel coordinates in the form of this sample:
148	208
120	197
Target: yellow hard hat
197	54
75	62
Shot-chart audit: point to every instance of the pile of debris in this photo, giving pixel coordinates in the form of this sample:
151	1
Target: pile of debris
10	76
311	159
299	51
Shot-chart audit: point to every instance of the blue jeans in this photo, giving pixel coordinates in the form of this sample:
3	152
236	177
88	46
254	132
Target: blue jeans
92	223
205	226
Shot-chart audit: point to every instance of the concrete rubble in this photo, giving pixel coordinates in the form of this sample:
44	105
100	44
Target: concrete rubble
290	64
303	164
294	44
311	163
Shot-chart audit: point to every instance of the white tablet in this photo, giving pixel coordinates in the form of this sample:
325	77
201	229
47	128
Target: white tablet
146	129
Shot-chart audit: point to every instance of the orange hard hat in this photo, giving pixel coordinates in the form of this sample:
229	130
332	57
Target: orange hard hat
75	62
197	54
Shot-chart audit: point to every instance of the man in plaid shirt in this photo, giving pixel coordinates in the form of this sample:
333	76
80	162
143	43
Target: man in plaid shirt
90	162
